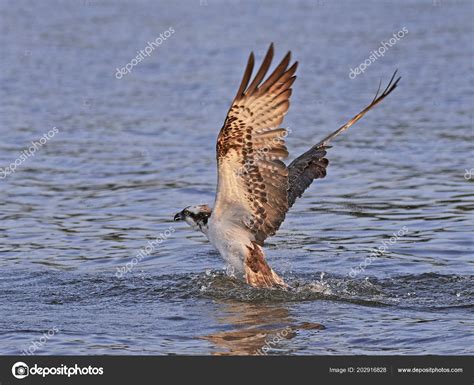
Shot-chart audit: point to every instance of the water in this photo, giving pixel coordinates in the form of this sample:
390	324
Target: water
130	153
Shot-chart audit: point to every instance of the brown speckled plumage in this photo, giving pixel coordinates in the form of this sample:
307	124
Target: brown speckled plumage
251	132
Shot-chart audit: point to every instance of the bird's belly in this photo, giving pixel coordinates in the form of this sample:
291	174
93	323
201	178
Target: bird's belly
231	243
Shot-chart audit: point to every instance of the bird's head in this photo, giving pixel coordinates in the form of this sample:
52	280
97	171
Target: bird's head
195	216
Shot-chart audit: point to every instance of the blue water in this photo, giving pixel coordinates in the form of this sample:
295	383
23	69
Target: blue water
131	152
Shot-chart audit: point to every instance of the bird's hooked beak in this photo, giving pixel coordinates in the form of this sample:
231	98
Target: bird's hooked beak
179	217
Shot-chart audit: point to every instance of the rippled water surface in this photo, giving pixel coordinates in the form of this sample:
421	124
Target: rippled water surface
131	152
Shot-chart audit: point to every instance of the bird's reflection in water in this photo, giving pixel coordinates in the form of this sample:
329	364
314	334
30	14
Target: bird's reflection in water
259	329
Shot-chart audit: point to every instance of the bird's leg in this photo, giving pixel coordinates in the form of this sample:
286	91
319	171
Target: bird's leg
257	271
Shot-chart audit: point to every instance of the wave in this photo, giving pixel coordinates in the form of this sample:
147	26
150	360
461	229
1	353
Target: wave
422	291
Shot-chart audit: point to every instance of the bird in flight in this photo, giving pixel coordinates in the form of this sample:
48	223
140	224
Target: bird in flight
255	189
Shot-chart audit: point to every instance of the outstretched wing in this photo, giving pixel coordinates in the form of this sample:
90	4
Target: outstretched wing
312	164
252	190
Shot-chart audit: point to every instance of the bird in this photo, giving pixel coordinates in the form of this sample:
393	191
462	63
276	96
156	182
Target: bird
255	188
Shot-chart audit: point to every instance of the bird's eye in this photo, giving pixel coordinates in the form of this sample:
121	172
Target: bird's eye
186	212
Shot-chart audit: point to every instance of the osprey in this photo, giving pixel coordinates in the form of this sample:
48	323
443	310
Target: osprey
255	188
